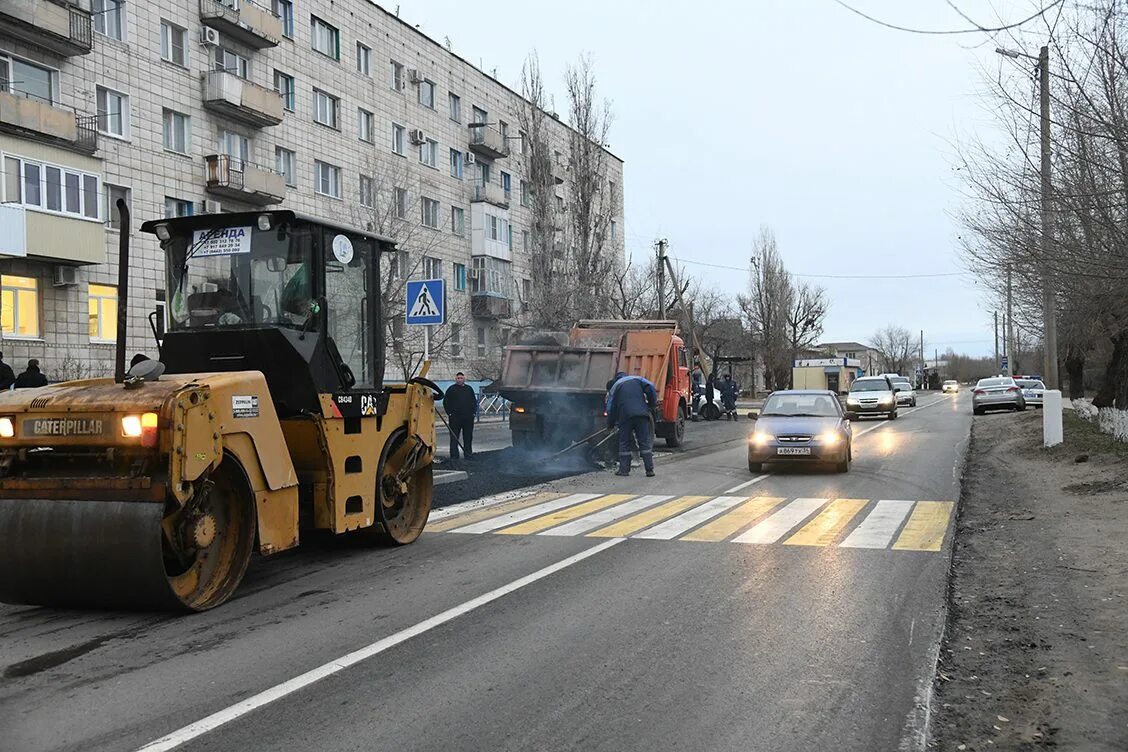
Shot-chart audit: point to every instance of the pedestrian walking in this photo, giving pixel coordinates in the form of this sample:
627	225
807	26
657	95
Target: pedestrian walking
698	387
630	403
728	391
710	388
7	375
461	405
32	377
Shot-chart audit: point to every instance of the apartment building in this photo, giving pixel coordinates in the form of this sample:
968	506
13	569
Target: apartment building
333	108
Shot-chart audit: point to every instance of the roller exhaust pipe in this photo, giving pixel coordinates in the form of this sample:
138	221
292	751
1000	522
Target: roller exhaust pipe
122	291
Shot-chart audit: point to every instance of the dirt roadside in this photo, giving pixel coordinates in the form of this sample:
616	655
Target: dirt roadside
1035	653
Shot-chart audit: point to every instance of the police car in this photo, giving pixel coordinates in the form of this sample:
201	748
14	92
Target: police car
1033	390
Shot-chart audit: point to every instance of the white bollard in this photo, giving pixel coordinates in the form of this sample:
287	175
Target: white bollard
1052	431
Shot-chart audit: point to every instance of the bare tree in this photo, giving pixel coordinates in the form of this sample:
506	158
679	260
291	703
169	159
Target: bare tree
895	348
805	316
766	307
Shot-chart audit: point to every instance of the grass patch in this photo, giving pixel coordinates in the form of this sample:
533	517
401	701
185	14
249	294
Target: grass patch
1083	437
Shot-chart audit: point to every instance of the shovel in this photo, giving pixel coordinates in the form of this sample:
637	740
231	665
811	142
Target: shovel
584	440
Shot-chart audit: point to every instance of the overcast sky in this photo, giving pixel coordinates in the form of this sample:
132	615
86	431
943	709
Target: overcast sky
837	133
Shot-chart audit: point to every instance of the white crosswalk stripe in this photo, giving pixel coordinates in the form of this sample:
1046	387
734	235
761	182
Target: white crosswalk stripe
777	525
879	527
686	521
606	516
496	523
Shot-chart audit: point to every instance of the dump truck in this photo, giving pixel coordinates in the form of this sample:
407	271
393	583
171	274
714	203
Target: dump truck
559	391
265	415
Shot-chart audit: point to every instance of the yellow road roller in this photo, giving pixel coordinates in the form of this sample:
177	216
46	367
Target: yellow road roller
265	413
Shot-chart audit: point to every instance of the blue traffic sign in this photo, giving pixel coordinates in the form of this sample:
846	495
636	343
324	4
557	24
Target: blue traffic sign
426	302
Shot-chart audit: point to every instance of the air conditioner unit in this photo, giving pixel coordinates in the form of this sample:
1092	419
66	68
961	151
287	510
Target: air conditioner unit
417	136
415	75
470	158
209	36
65	276
212	207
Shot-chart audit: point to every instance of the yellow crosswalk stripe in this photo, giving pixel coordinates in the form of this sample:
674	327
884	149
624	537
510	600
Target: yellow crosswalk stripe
649	517
731	523
826	526
537	524
926	527
469	518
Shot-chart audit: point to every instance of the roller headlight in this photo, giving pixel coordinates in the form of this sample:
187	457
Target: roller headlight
7	428
142	427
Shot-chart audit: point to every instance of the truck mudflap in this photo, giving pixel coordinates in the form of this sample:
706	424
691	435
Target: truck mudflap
81	553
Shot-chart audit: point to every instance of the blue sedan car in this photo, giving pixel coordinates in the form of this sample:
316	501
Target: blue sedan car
802	425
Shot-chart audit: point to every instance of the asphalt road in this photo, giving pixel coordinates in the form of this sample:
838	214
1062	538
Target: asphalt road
679	612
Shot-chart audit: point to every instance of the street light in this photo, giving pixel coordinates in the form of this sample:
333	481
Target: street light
1049	304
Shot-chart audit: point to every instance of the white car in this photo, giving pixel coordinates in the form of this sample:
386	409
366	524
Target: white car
871	395
1033	391
951	387
906	395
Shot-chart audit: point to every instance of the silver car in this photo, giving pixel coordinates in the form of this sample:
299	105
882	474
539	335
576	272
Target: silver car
906	395
1033	391
871	395
998	393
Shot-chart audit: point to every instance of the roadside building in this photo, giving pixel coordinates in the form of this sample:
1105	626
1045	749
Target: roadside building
334	108
835	374
869	358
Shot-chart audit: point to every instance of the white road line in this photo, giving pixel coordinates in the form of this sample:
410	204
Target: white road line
489	501
505	520
746	484
605	516
277	692
880	525
776	526
683	522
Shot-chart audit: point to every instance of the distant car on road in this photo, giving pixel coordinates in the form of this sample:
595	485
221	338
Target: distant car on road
951	387
1033	391
1000	392
906	395
871	395
804	425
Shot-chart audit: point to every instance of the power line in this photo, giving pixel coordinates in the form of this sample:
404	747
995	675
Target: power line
829	276
977	30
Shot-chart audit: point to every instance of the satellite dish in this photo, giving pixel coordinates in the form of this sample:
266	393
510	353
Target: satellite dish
147	370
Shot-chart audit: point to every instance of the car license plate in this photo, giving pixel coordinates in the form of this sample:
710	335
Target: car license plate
1028	395
793	451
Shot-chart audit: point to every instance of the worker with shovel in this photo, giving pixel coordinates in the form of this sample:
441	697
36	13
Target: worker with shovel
630	403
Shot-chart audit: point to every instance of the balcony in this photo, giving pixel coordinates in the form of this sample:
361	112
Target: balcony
489	193
30	117
233	178
488	305
64	28
488	142
241	100
243	21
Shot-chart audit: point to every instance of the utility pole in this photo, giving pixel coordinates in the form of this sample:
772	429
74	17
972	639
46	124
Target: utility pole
1008	329
662	279
1049	304
922	353
997	361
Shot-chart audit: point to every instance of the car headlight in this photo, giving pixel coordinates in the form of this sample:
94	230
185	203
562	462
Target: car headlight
761	439
830	438
7	428
887	400
851	400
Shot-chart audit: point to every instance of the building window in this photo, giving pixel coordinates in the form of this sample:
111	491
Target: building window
483	173
456	330
427	93
456	164
363	59
396	79
52	188
367	192
401	203
429	153
460	277
113	113
613	230
178	207
177	131
524	193
109	18
103	313
481	117
174	43
284	9
326	38
33	81
503	128
232	62
284	162
430	212
19	304
457	220
365	125
284	85
160	308
481	341
455	107
235	145
432	267
327	179
113	193
398	132
325	108
506	184
525	241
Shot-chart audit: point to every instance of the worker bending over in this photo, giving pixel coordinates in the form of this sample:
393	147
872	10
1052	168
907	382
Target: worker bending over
630	403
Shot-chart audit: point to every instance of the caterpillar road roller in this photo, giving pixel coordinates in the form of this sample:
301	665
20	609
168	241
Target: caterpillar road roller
266	413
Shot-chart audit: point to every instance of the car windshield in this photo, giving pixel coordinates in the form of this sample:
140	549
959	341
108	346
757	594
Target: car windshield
796	405
949	383
869	385
995	382
1031	384
902	383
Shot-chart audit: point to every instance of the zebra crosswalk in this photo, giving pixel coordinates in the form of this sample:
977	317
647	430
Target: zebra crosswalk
879	524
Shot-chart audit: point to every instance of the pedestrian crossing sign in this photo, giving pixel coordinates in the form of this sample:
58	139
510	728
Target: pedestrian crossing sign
426	302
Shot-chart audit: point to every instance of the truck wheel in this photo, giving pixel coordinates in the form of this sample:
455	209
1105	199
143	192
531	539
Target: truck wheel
401	511
677	435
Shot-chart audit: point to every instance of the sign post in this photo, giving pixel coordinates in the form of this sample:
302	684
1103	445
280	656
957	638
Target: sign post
426	306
